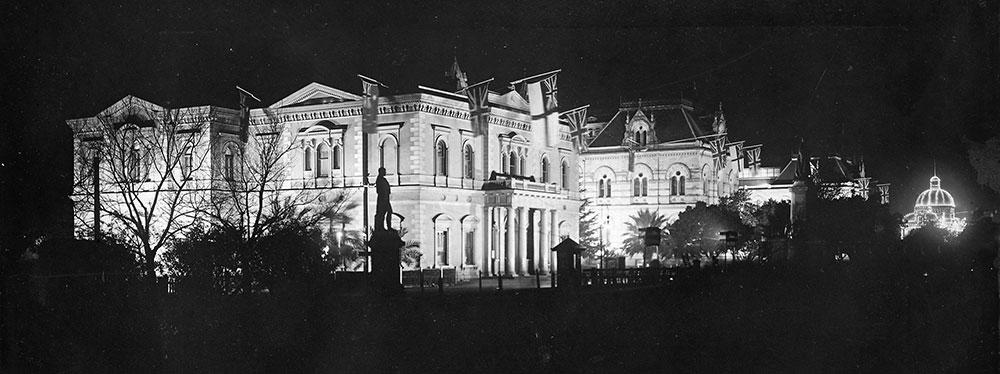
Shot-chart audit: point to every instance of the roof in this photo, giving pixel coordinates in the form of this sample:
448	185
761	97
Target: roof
672	121
832	169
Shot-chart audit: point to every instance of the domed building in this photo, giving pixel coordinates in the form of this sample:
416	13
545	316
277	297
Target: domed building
933	206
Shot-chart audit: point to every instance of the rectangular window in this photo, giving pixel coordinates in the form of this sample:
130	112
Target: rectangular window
323	167
442	248
470	250
186	161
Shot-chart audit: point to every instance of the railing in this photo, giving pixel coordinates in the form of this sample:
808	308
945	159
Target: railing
515	184
429	277
627	277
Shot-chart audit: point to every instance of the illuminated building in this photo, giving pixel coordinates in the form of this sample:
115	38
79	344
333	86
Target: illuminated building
934	206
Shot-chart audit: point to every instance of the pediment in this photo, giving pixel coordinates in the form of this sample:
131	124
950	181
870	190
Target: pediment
510	99
130	107
315	93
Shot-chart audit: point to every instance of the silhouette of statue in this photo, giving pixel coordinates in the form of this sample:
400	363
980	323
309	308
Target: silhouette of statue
383	210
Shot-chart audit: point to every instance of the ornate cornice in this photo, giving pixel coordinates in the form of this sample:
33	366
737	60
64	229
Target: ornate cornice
341	113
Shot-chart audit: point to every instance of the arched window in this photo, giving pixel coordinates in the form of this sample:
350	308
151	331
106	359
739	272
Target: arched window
607	186
705	176
469	160
307	159
600	188
335	154
637	137
513	163
229	164
637	186
545	170
505	166
322	161
564	171
442	158
387	155
645	186
677	184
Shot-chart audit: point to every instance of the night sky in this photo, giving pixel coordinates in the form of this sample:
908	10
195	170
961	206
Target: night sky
901	85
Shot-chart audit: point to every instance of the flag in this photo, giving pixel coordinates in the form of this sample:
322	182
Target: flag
719	152
883	190
863	184
479	106
550	91
369	105
751	156
577	120
245	113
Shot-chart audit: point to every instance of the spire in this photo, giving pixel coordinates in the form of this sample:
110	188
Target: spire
456	73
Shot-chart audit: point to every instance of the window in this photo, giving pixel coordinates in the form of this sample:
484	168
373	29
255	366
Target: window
640	186
677	184
307	159
469	158
605	187
322	161
600	188
336	157
186	161
637	138
229	164
513	163
387	155
441	242
442	158
133	164
545	170
564	171
470	244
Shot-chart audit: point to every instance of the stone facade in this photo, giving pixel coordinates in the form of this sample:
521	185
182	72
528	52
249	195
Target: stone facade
673	164
489	201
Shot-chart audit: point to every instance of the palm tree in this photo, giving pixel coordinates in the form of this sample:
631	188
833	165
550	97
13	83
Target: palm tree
409	255
634	242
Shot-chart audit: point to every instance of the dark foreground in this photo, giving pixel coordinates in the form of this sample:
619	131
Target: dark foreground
748	318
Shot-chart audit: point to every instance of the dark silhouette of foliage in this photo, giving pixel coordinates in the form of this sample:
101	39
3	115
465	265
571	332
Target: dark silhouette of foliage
590	233
634	235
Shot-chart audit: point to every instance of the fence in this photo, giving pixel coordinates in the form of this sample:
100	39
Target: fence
429	277
627	277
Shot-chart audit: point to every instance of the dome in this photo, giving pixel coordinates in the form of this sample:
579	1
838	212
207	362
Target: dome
935	196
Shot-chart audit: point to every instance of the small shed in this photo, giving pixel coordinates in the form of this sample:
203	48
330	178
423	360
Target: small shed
568	271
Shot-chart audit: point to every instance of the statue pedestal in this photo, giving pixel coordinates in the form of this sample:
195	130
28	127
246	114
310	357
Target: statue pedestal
385	246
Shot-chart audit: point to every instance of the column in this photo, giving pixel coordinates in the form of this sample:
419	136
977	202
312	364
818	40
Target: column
510	255
483	249
543	242
522	241
554	235
498	264
536	239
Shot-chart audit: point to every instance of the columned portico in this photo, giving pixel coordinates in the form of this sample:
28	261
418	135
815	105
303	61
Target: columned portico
522	241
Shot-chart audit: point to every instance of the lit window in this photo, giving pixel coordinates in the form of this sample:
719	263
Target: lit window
229	165
469	159
545	170
564	171
307	159
442	248
442	158
322	161
186	161
336	157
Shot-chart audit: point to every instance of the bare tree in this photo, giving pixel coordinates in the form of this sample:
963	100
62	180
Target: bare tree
146	159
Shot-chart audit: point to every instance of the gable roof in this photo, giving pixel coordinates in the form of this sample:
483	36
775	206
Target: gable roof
130	105
315	93
672	121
